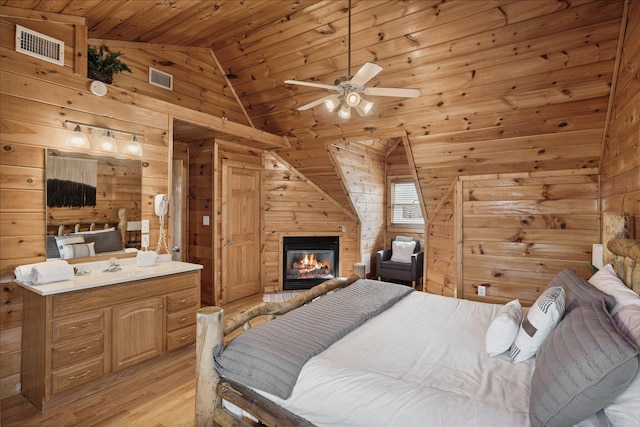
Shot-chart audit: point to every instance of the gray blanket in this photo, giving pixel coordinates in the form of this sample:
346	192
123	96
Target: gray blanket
270	356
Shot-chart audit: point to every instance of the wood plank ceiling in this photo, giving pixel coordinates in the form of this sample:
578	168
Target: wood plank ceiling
507	86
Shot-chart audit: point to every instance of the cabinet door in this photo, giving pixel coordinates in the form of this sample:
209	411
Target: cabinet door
137	332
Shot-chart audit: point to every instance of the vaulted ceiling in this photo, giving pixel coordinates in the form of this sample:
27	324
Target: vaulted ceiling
507	86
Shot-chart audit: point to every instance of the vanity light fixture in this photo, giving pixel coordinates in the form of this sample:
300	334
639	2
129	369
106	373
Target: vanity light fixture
133	147
77	139
107	143
105	140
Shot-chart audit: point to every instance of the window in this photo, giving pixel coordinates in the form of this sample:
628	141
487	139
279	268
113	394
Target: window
405	205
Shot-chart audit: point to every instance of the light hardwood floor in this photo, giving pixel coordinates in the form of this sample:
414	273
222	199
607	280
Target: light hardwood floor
155	393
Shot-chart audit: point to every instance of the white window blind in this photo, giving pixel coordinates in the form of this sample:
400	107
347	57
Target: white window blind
405	206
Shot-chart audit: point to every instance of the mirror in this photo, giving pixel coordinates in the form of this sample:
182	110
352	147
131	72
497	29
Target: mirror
88	195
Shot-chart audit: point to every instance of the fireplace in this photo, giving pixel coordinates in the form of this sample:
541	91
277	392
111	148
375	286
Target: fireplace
309	260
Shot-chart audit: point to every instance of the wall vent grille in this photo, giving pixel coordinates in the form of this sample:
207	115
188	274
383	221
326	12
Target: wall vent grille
38	45
160	78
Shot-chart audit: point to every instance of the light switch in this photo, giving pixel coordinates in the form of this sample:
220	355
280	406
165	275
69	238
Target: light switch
145	226
205	220
144	241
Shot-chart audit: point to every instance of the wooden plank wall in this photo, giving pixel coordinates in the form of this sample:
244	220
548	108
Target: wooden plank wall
198	83
620	163
294	206
520	230
200	238
363	173
440	251
118	186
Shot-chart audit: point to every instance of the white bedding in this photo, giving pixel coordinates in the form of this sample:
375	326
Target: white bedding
420	363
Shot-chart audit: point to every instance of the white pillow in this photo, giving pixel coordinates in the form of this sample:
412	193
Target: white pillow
77	250
608	281
401	251
68	240
541	319
503	328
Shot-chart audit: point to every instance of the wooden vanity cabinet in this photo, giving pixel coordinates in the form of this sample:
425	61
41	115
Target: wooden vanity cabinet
72	338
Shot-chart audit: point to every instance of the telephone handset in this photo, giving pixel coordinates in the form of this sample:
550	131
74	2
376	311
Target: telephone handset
162	204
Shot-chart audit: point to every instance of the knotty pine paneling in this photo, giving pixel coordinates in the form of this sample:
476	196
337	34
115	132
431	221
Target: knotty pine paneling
440	259
197	82
620	168
200	239
519	231
296	207
363	175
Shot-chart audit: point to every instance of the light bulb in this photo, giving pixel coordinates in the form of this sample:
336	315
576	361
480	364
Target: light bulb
107	143
365	107
352	99
332	103
77	139
133	147
345	112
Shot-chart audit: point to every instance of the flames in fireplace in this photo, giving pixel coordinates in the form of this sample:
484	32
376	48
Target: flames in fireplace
307	266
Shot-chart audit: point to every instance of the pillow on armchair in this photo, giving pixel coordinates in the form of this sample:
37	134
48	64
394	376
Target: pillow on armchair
402	251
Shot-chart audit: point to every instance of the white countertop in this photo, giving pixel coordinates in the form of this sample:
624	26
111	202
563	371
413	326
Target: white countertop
97	277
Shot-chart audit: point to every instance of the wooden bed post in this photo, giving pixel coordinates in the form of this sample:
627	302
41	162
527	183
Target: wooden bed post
209	332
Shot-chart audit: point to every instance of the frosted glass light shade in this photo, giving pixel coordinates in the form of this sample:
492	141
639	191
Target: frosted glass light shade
77	139
132	147
332	103
345	112
364	108
353	99
107	143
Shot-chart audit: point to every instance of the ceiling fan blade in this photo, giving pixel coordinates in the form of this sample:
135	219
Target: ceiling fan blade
368	71
311	84
314	103
389	91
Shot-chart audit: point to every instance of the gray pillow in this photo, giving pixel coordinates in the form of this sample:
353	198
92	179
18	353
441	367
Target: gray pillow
106	241
578	291
581	367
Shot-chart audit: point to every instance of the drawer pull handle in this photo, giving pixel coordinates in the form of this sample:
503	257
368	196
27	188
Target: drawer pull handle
184	337
184	319
87	348
183	300
160	305
84	325
76	377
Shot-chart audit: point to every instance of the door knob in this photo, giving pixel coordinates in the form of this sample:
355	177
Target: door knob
230	242
175	249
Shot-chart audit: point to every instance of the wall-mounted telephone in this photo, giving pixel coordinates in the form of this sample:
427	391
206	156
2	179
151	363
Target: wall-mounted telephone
162	204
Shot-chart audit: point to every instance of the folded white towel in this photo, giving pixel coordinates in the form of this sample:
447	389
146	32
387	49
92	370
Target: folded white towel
44	272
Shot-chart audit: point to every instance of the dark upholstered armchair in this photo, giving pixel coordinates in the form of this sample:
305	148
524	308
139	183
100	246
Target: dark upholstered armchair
410	271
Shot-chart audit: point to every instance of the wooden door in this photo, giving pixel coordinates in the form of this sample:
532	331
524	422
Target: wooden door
137	332
241	219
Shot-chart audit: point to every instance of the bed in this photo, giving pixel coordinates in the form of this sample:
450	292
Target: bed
68	239
424	359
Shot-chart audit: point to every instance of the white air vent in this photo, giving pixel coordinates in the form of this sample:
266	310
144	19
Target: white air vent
38	45
160	78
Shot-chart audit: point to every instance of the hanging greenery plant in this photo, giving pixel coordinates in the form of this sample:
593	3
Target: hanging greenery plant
102	66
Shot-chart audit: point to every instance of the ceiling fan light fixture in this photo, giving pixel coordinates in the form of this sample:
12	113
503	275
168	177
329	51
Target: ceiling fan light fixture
365	107
352	99
345	112
332	103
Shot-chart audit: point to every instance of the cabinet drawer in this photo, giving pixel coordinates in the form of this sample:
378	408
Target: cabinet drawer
68	354
64	379
180	300
78	326
181	338
180	319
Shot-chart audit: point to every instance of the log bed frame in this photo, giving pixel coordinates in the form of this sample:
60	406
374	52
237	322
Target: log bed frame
212	329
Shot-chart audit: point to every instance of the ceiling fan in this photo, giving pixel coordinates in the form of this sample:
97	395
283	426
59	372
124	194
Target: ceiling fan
349	89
